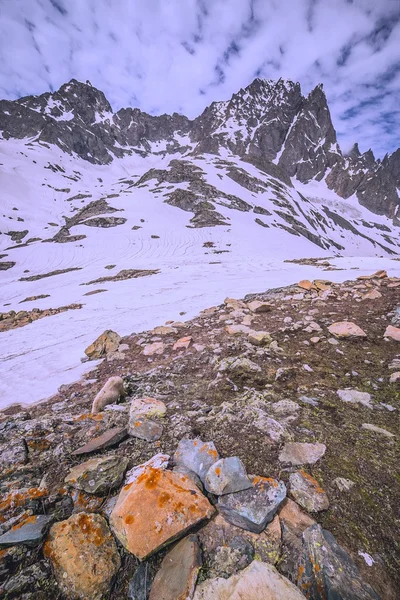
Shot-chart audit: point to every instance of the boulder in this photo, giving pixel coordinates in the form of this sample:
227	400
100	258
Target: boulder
226	476
154	348
84	556
293	522
237	329
392	333
327	571
177	576
155	508
145	429
98	475
106	342
346	329
259	338
196	455
239	366
259	581
355	397
146	408
301	453
257	306
253	508
381	274
305	284
183	343
307	492
371	295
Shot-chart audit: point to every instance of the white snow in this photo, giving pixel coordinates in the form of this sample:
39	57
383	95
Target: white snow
41	356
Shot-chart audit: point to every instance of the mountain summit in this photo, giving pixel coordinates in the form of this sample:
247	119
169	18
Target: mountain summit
268	123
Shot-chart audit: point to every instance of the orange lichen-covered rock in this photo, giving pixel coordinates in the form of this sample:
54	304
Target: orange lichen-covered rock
155	508
106	342
305	284
84	556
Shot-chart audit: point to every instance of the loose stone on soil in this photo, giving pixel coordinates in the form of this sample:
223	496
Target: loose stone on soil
355	397
346	329
301	453
307	492
107	342
376	429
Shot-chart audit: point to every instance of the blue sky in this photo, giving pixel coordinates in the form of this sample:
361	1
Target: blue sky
180	55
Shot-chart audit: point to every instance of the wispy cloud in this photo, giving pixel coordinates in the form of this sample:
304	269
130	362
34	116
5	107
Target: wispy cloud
180	56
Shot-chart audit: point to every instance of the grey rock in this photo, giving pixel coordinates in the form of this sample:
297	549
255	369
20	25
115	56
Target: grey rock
145	429
376	429
343	484
111	437
226	476
327	571
191	474
301	453
196	455
30	532
98	475
231	558
254	508
140	584
355	397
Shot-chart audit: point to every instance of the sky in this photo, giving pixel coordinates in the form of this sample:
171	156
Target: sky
166	56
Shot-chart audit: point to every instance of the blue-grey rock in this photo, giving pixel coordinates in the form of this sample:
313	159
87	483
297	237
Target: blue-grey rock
140	584
226	476
196	455
145	429
29	532
254	508
327	572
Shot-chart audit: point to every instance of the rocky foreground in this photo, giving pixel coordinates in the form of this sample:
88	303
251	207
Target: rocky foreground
249	453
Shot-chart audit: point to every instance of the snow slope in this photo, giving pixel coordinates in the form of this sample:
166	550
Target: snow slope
239	258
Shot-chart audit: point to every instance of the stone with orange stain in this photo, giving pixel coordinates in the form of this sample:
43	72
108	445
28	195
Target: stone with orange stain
183	343
29	532
226	476
346	329
305	284
12	502
307	492
155	508
85	502
84	556
325	570
381	274
254	508
145	429
106	342
293	521
147	408
196	455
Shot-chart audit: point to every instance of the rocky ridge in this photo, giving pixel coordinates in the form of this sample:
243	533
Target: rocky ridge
269	123
276	438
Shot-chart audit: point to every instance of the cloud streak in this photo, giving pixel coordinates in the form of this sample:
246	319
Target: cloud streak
166	56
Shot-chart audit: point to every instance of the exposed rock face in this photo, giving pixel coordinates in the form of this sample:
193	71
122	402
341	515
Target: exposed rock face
269	123
84	556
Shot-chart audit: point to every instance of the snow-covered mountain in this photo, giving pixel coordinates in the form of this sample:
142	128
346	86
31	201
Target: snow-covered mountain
139	218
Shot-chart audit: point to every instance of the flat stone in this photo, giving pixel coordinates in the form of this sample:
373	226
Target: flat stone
177	576
371	295
301	453
259	338
106	342
307	492
226	476
381	274
293	517
257	306
147	408
109	438
307	400
346	329
305	284
394	377
163	330
355	397
327	571
30	531
253	508
293	522
392	333
183	343
145	429
322	285
155	508
196	455
154	348
343	485
237	329
140	583
98	475
219	533
259	581
376	429
84	556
